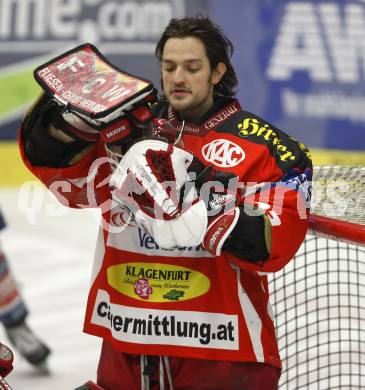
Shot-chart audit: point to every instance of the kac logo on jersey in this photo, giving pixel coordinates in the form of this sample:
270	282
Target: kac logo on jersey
223	153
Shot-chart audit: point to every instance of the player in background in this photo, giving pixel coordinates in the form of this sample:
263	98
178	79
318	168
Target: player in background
181	298
13	316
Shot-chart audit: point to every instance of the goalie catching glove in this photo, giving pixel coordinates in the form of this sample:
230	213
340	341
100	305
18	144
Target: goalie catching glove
152	180
147	181
93	98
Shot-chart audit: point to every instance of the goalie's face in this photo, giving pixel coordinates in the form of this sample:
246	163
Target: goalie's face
188	80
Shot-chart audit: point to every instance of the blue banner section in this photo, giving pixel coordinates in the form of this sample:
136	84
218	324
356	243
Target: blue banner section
301	66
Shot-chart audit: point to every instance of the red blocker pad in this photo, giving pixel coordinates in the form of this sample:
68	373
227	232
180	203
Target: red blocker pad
93	90
83	80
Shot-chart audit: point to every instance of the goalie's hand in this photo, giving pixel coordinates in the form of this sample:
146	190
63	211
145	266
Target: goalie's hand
148	181
220	193
221	224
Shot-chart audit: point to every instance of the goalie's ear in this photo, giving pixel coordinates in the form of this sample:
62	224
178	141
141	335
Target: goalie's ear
218	73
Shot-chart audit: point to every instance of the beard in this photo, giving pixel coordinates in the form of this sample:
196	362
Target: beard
193	109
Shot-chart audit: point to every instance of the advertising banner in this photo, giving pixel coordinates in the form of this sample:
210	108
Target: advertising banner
301	65
33	31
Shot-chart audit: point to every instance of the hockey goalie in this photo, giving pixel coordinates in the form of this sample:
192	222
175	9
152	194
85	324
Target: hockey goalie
200	200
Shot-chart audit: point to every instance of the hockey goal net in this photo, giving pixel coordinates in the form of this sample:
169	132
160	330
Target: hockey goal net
319	297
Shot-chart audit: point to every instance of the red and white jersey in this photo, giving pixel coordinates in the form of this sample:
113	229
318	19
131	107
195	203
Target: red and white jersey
183	301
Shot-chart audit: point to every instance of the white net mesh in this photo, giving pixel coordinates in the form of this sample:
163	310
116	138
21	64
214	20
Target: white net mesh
319	306
339	192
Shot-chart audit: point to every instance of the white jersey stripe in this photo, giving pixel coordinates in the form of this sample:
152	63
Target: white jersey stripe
253	321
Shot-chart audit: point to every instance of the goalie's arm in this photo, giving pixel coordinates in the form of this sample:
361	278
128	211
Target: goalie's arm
250	239
283	203
58	161
46	145
282	230
267	226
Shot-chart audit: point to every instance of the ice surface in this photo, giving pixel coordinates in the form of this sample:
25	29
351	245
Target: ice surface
51	257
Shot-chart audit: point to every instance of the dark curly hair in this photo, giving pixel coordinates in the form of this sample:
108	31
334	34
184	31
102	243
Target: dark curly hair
217	46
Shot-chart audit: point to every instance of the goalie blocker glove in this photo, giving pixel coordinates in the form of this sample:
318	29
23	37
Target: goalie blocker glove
93	98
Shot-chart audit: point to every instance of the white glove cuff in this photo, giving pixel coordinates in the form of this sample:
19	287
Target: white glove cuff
186	230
